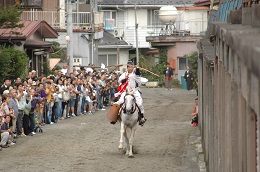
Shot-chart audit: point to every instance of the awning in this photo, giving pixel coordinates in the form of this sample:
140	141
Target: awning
54	62
34	44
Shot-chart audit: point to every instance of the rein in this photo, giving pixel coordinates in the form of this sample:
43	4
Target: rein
134	105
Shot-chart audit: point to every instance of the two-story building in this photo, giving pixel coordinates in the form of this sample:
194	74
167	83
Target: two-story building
178	36
87	25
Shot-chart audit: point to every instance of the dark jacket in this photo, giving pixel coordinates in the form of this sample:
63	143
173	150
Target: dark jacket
188	75
168	71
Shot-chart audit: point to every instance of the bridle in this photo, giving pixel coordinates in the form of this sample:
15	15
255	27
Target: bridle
134	105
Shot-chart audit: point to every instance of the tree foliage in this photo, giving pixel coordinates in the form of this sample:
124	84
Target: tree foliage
155	68
58	52
9	18
13	63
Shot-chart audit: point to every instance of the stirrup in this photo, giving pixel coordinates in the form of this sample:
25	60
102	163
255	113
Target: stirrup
142	121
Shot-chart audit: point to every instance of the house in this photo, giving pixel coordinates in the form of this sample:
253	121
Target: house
87	28
31	39
113	51
154	34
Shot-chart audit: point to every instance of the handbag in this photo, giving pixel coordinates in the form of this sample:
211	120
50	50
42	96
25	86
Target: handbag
170	78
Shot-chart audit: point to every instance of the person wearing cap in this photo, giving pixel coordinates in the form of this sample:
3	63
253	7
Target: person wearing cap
129	77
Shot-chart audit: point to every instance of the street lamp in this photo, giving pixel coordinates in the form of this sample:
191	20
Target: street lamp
67	38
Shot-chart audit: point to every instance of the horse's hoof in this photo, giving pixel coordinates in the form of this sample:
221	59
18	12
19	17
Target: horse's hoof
131	156
120	147
127	153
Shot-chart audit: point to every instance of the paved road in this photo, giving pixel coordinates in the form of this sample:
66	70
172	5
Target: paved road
90	144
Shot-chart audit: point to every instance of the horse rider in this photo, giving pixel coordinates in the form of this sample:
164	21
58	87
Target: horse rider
128	80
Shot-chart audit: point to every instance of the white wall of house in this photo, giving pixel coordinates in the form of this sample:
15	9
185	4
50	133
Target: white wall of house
121	19
193	20
81	47
141	17
124	57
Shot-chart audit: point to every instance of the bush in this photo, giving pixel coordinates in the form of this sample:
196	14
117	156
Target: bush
13	63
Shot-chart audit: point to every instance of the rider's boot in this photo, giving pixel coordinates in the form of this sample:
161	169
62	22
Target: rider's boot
142	119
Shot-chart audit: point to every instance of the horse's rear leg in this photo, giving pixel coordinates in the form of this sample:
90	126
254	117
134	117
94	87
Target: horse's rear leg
122	131
131	141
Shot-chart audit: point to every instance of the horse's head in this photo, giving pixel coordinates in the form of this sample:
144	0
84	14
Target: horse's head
129	103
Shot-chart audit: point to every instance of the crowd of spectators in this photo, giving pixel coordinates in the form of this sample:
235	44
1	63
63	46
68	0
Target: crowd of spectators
27	105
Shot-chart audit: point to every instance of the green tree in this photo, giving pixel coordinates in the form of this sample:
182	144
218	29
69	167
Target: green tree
58	52
13	63
9	18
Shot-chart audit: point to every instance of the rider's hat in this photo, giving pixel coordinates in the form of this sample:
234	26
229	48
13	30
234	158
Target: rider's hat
130	63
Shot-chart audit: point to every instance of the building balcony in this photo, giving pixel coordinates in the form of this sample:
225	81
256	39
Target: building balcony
81	20
163	33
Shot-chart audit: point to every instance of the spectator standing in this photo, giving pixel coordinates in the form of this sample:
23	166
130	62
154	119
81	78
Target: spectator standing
64	70
13	106
21	97
34	75
5	86
188	76
26	119
168	75
49	90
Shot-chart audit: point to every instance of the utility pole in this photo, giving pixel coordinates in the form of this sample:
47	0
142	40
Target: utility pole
136	38
70	35
94	44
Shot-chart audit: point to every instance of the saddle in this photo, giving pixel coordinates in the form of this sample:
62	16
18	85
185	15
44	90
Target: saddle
115	110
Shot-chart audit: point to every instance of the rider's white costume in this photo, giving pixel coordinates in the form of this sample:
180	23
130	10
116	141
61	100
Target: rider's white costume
133	82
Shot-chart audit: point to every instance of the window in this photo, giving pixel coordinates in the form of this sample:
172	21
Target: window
182	63
110	15
153	17
75	60
78	60
29	3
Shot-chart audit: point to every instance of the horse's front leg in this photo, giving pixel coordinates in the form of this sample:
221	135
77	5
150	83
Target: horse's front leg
126	141
131	141
122	130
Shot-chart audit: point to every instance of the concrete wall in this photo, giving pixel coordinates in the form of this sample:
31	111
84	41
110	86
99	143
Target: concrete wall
185	48
229	97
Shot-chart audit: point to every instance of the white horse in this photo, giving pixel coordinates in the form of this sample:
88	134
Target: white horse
129	119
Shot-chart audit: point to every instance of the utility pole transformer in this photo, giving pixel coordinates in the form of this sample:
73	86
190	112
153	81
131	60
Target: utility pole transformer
70	34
